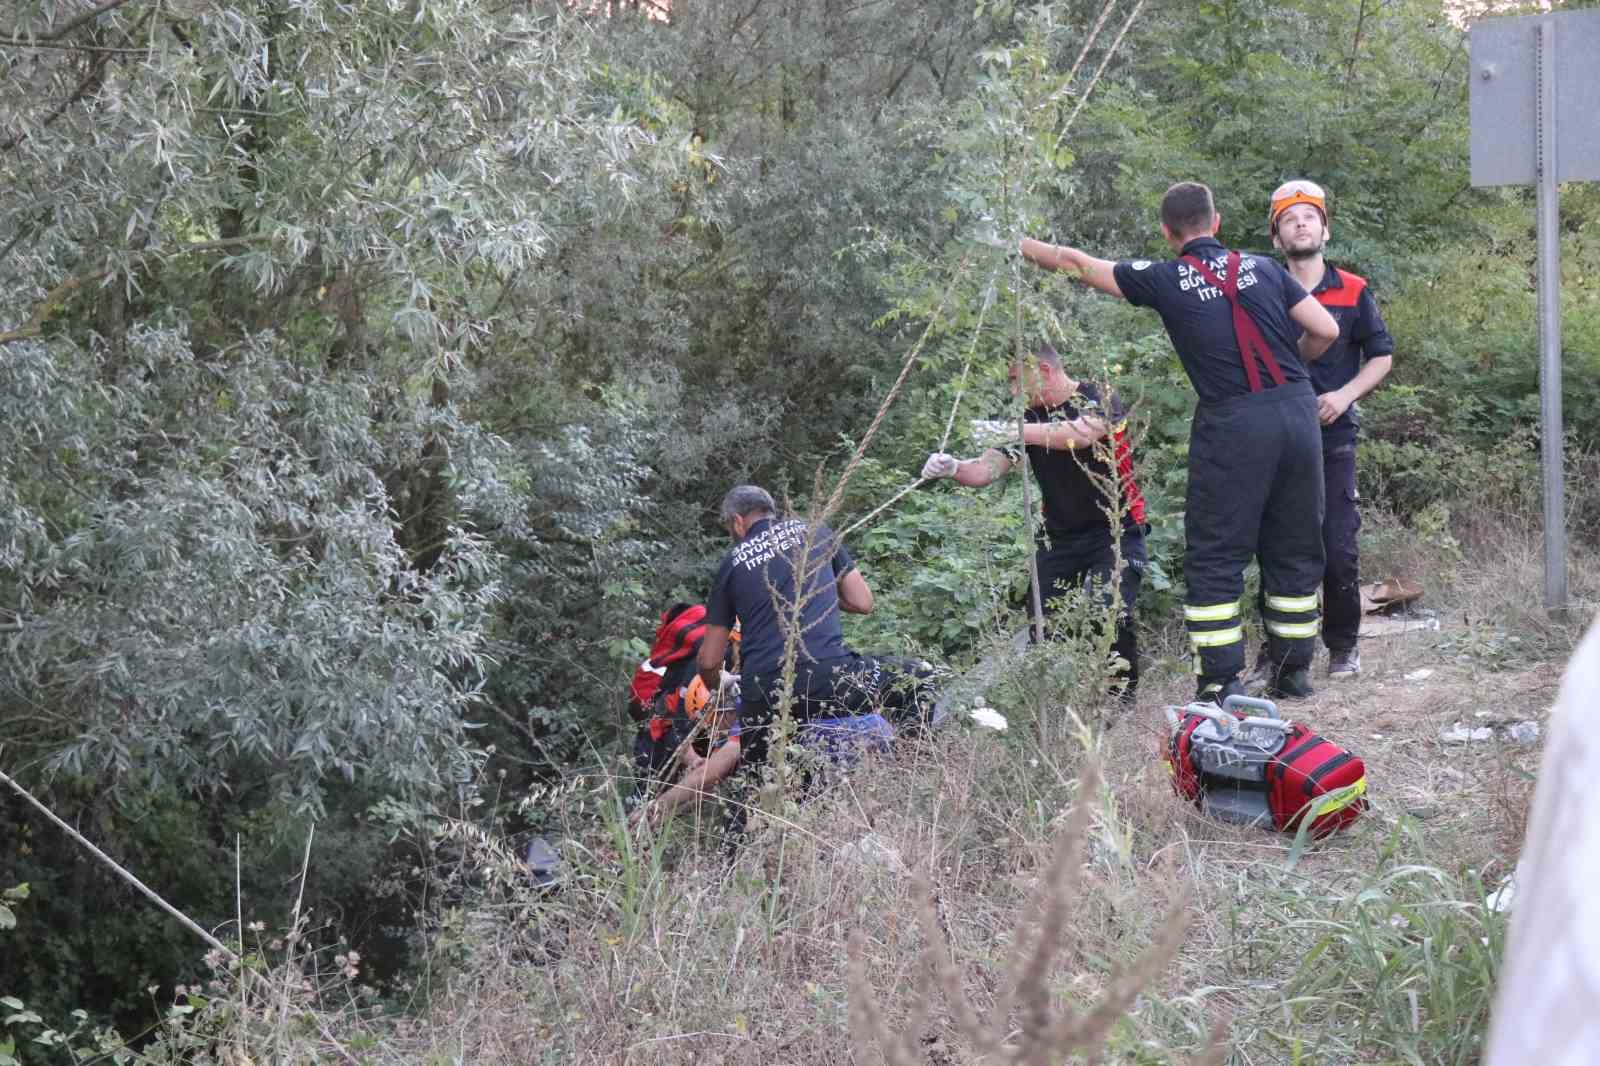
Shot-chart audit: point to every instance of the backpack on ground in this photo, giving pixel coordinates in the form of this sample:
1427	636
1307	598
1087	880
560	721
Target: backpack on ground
1262	769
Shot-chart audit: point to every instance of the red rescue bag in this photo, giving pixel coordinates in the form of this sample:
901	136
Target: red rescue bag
1315	778
677	641
1263	769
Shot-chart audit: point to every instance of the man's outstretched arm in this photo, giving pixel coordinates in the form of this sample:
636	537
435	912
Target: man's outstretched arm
987	468
1095	273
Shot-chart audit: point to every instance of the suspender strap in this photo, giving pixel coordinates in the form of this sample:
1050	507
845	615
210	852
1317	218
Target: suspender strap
1252	344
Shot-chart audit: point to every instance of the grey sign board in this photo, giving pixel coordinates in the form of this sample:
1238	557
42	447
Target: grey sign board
1504	81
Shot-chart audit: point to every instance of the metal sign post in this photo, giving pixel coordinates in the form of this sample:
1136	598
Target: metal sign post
1521	96
1547	209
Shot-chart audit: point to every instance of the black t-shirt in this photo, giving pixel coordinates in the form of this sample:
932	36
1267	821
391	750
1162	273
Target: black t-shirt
1362	336
1200	322
761	569
1073	502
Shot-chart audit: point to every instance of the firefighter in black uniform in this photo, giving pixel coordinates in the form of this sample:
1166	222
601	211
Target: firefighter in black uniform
1066	423
1255	450
782	574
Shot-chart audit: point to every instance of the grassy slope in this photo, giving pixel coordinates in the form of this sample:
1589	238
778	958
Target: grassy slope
1371	947
1375	947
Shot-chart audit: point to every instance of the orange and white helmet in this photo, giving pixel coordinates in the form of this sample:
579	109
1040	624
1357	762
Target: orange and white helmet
1298	191
697	697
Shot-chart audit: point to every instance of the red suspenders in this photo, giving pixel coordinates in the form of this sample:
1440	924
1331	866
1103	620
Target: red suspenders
1245	330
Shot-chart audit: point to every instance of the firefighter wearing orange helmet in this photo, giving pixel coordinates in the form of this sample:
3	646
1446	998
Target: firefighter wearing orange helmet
1361	357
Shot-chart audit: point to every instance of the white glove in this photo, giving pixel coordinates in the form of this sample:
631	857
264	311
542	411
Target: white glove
990	432
727	688
940	465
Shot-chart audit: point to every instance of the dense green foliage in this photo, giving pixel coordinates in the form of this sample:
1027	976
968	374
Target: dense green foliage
372	371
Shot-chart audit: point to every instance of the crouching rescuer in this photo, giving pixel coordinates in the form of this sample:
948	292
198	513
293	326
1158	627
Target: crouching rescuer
688	738
1077	447
786	579
1255	449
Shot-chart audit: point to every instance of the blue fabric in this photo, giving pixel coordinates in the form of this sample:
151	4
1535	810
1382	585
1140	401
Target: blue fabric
844	739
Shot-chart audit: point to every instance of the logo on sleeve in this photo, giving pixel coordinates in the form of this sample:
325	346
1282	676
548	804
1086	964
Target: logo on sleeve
1140	264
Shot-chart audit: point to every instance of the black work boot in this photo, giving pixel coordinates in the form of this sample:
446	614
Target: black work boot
1344	664
1291	684
1217	691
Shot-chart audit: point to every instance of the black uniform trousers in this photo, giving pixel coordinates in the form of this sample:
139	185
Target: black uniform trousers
1067	560
897	687
1341	583
1341	531
1255	490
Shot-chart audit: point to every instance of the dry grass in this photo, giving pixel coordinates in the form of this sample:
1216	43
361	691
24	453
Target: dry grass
996	890
748	964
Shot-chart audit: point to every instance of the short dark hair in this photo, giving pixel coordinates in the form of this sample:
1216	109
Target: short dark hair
743	500
1187	209
1045	353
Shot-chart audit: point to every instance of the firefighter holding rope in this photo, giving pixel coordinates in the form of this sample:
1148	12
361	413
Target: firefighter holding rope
1076	444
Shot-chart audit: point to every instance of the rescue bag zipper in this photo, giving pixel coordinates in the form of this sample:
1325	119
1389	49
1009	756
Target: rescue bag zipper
1324	770
1281	764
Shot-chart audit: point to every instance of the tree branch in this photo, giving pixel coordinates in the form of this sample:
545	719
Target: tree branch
89	82
23	42
58	295
70	25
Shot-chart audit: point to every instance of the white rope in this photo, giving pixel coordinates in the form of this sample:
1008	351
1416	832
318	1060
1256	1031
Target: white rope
944	441
949	424
148	892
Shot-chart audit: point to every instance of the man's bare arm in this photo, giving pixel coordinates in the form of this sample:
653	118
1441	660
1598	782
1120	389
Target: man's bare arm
1078	433
855	595
713	647
986	469
1093	272
697	782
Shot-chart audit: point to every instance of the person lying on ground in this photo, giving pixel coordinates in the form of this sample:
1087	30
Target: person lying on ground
696	774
